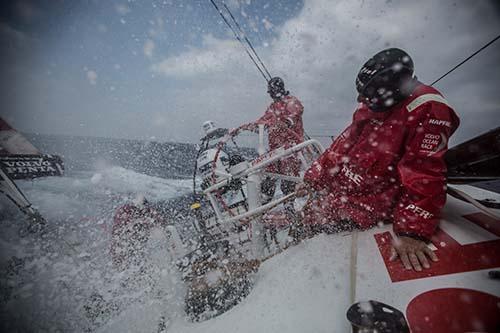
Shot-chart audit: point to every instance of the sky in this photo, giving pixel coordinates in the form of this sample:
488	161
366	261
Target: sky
156	70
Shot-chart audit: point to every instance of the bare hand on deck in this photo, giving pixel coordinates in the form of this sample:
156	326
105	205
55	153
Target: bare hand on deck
413	253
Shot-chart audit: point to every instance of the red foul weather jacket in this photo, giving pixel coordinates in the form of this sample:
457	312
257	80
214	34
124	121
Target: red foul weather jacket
387	166
131	227
283	119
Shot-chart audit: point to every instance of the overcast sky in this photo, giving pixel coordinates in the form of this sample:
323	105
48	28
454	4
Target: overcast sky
158	69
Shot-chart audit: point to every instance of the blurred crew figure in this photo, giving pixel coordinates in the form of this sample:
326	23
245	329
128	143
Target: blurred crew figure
132	225
283	120
388	165
212	132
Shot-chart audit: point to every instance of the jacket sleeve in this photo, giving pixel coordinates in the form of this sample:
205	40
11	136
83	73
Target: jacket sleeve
267	118
119	224
120	219
295	110
422	170
318	173
315	175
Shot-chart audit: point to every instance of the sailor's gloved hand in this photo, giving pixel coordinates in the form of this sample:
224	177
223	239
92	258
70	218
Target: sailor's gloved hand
302	189
249	127
413	253
233	131
245	221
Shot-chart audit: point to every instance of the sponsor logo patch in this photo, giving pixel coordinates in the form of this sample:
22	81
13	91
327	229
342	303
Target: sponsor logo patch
419	211
355	178
432	143
440	122
32	166
376	122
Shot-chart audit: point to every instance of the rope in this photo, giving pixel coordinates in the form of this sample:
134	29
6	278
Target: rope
465	197
353	268
466	59
239	39
246	39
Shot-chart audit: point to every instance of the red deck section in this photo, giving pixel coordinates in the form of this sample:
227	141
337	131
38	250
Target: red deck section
453	257
453	310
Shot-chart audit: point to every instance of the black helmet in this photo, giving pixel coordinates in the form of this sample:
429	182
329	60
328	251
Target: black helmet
373	316
385	79
276	88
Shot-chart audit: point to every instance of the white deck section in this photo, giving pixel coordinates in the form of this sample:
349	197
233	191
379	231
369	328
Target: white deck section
304	289
307	288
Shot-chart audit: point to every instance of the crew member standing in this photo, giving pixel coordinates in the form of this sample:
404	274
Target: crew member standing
283	120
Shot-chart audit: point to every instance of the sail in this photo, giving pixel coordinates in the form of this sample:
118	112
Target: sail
12	142
20	159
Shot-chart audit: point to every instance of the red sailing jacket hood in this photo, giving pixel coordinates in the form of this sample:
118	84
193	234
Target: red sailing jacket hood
389	166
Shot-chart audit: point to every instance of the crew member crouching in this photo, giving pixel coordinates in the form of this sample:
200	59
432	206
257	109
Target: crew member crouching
388	165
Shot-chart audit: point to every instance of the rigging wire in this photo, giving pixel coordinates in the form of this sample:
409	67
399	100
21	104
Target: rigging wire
467	59
239	39
246	39
455	67
241	33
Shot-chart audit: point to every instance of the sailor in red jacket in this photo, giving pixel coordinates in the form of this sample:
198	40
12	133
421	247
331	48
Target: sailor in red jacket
132	225
283	120
388	165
